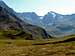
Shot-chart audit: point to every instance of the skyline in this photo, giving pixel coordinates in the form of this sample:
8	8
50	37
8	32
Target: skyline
42	7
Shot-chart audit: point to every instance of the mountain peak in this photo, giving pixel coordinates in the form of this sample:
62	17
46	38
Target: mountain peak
53	13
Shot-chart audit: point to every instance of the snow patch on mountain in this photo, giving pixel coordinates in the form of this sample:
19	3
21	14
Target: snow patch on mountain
53	13
41	17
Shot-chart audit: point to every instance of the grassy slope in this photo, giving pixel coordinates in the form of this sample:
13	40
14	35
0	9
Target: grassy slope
37	47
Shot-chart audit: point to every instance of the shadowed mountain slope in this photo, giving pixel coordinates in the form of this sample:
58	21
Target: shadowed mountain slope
12	27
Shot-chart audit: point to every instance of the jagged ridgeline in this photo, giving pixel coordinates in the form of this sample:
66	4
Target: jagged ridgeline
12	27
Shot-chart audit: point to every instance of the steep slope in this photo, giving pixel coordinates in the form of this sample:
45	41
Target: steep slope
13	27
31	18
57	25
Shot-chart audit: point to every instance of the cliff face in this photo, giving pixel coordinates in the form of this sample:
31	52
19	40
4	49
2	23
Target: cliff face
12	27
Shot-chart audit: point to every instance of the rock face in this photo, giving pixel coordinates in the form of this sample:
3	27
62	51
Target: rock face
12	27
30	17
57	25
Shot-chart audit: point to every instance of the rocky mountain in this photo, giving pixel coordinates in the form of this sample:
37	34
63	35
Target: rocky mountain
59	25
13	27
30	17
55	24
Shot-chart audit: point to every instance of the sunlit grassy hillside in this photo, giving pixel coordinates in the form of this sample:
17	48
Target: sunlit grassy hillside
44	47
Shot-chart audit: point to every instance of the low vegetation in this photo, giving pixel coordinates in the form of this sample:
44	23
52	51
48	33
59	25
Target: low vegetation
39	47
47	47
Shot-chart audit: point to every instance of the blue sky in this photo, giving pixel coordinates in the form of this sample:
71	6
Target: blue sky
41	7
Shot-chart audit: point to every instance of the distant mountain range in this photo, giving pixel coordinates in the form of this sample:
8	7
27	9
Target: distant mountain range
57	25
12	26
